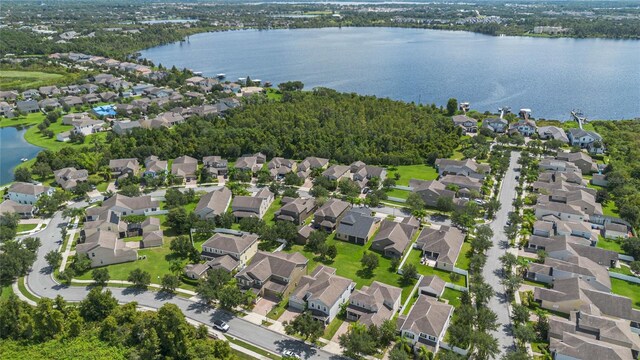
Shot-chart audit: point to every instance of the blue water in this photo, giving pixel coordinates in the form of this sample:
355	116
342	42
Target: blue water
550	76
13	147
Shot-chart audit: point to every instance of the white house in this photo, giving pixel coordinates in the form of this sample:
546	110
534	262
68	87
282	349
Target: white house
26	193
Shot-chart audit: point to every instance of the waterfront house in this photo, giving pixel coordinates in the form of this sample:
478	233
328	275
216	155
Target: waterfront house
495	124
27	193
468	124
552	133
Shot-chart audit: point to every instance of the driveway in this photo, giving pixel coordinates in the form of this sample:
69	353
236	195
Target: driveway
264	305
289	315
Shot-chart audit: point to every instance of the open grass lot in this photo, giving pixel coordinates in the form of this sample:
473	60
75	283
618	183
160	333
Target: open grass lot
347	264
397	193
269	216
627	289
420	172
414	258
23	120
331	329
453	296
607	244
26	227
464	259
16	79
5	291
610	209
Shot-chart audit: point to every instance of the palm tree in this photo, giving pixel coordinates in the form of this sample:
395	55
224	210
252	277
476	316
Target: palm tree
424	353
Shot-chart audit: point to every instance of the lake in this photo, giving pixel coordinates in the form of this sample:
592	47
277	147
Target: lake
13	147
551	76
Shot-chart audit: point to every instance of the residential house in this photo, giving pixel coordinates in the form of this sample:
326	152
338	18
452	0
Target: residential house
27	106
69	119
7	110
104	248
185	167
495	124
566	248
252	206
26	193
584	199
197	271
108	96
599	180
581	267
558	166
296	210
279	167
49	91
124	167
336	172
72	101
615	231
154	166
466	185
273	275
25	211
310	163
10	95
91	99
48	104
87	126
357	226
468	168
586	140
373	304
442	245
426	324
329	214
216	165
362	173
581	160
393	238
250	163
213	204
323	293
565	212
125	126
124	205
430	191
468	124
69	177
552	133
240	246
431	285
525	127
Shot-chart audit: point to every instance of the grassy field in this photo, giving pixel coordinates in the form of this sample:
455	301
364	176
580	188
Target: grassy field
15	79
24	120
453	296
463	259
609	244
610	209
26	227
414	258
269	215
420	172
5	291
347	264
397	193
274	94
332	328
627	289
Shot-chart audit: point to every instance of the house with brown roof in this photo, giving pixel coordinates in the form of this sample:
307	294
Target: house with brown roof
296	210
124	167
250	163
240	246
154	166
322	292
465	184
215	165
26	193
310	163
69	177
252	206
373	304
329	214
442	245
431	285
468	124
357	226
197	271
279	167
362	173
185	167
104	248
427	322
393	237
213	204
25	211
467	168
336	172
273	275
583	161
124	205
431	191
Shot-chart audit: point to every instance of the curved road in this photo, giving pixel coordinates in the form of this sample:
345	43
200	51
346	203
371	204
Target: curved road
41	283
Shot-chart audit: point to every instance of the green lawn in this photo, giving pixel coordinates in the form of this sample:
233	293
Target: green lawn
453	296
5	291
16	79
252	348
34	136
277	311
607	244
464	259
24	120
269	216
102	187
627	289
347	264
420	172
610	209
397	193
274	94
26	227
332	328
414	258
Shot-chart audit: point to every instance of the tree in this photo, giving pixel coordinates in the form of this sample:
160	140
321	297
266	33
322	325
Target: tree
176	267
174	333
181	246
315	240
54	259
66	276
22	174
306	326
631	246
49	322
512	283
508	261
349	188
230	296
516	354
635	266
369	261
493	205
452	106
97	305
357	341
130	190
485	345
414	202
81	263
409	273
520	314
398	354
291	86
387	332
444	204
524	333
100	276
140	278
331	252
482	291
170	283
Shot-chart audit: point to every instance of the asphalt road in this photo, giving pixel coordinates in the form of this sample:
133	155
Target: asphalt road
41	283
492	271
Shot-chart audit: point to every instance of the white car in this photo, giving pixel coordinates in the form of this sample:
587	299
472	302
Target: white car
221	325
290	354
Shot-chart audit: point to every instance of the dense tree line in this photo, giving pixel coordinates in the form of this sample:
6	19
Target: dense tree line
99	328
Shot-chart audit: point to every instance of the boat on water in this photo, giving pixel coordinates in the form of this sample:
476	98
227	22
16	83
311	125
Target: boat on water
221	76
24	159
197	73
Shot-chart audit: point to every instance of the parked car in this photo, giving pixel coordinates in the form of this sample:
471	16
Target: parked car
220	325
290	354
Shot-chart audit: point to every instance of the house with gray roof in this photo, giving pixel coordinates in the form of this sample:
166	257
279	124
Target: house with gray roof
525	127
393	237
124	205
427	323
465	184
252	206
68	178
616	231
549	164
240	246
25	211
49	91
373	304
296	210
154	166
279	167
252	163
185	167
565	247
200	270
585	140
431	285
584	346
27	106
357	226
8	95
27	193
496	125
581	267
213	204
336	172
329	214
310	163
273	275
216	165
362	173
468	124
49	104
552	133
562	211
583	199
104	248
581	160
323	293
442	245
468	168
430	191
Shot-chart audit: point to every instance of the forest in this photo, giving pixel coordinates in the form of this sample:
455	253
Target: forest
99	328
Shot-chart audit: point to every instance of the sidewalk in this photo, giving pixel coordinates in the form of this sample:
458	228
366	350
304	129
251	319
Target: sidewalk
155	286
65	254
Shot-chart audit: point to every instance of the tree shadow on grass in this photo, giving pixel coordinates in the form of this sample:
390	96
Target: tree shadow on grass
365	273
